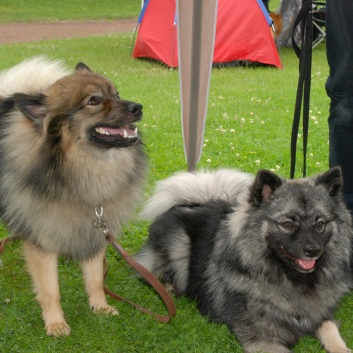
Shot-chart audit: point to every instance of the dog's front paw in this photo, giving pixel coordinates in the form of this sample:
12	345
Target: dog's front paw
106	309
58	329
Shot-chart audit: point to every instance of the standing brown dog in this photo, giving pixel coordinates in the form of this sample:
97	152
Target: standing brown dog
67	144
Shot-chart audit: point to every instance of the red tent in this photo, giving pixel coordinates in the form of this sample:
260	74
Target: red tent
242	33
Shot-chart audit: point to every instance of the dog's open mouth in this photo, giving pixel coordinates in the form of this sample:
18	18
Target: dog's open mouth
115	136
301	265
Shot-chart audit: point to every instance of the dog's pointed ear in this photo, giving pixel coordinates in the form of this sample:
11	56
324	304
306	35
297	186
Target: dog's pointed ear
332	180
263	187
32	106
82	68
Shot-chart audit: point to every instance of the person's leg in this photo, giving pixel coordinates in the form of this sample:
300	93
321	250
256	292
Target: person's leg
339	87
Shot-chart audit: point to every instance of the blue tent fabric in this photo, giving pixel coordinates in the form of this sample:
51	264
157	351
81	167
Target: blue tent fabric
143	10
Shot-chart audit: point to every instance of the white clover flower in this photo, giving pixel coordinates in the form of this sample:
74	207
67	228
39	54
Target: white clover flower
221	129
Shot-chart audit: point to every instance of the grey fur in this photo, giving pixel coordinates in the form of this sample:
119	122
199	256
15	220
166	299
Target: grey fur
225	184
269	283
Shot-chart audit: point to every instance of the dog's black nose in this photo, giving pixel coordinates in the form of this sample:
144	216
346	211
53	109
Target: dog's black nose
312	250
135	108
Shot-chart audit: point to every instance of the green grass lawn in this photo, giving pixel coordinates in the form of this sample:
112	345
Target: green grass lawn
249	121
54	10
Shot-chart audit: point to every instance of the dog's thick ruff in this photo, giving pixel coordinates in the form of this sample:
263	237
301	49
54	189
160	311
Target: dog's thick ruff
68	143
270	260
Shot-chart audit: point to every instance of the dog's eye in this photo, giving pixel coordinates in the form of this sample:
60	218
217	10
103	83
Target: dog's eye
288	225
320	226
94	100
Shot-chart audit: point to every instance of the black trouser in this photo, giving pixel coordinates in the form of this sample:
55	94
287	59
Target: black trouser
339	87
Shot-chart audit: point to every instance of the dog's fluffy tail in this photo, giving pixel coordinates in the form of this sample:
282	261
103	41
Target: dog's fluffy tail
196	188
31	76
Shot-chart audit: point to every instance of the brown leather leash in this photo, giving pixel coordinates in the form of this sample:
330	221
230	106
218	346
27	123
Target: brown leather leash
3	242
147	275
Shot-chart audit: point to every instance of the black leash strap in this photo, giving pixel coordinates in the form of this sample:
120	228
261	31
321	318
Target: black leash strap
305	17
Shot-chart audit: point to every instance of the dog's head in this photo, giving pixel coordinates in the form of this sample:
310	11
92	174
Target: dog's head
82	108
299	216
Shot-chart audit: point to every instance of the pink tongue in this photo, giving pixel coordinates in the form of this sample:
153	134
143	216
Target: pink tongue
306	264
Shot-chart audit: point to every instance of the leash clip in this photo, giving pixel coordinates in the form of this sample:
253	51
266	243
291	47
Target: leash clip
167	299
99	223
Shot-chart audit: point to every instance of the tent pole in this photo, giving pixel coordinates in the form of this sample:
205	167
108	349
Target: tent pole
194	84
